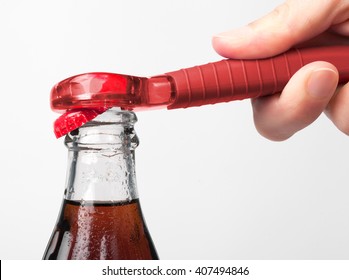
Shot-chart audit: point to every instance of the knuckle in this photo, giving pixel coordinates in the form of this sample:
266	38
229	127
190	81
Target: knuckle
279	22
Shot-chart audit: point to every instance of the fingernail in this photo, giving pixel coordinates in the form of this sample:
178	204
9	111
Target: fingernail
322	82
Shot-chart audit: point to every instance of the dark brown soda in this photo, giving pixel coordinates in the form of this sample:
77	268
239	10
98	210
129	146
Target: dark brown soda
95	231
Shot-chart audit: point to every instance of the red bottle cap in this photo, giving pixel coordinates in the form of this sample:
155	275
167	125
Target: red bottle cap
73	119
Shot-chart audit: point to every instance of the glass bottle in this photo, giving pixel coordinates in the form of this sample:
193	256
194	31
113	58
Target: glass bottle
101	217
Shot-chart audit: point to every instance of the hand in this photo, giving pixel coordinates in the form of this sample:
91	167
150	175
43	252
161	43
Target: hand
314	88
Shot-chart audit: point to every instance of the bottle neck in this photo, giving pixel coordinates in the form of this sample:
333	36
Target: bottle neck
101	159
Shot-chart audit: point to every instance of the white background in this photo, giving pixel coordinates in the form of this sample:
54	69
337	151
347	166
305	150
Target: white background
210	186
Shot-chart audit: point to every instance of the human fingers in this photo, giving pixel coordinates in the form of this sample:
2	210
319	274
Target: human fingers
292	22
343	26
304	98
338	109
327	38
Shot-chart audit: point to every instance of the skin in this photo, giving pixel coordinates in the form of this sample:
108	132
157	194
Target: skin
314	88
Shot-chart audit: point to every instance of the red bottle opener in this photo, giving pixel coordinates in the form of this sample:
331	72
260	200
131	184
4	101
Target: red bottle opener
216	82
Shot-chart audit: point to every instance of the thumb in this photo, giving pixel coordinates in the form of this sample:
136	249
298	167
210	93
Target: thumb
290	23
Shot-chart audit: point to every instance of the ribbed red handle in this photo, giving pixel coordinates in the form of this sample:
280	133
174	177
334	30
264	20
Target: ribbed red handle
229	80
